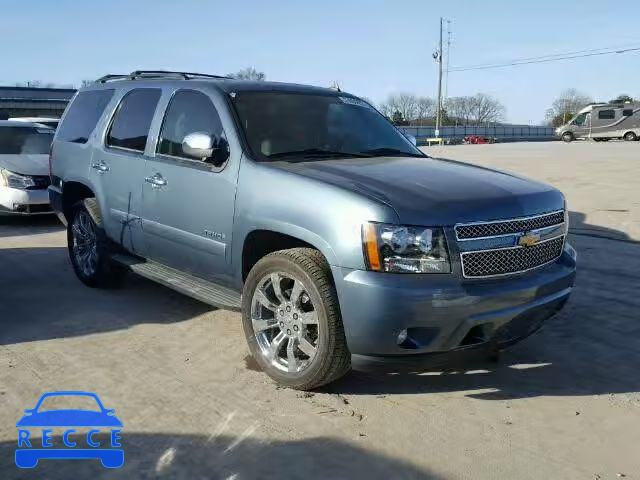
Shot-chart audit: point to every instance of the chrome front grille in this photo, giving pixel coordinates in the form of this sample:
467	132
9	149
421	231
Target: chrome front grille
504	261
468	231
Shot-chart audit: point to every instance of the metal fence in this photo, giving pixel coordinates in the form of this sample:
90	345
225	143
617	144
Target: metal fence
501	132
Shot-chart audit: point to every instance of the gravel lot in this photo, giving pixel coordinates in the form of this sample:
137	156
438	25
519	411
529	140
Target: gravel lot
565	404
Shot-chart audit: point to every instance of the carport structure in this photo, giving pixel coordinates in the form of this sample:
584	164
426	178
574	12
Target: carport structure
33	102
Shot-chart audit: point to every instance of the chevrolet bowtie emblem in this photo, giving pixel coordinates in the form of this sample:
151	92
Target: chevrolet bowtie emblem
528	239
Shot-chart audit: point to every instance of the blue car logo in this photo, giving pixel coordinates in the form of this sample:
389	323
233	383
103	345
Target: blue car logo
27	456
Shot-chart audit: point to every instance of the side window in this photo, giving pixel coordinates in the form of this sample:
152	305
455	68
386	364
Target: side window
83	115
579	120
607	114
188	112
130	126
627	112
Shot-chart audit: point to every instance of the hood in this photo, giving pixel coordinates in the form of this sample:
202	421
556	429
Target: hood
26	164
431	192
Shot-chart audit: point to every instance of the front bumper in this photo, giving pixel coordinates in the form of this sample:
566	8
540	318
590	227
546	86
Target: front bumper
442	313
14	201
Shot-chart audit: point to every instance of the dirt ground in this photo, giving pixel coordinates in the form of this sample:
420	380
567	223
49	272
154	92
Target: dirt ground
564	404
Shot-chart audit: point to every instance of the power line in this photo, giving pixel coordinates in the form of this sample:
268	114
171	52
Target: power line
552	55
545	59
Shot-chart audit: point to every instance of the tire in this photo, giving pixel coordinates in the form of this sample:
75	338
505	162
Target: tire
630	137
316	299
98	270
568	137
597	139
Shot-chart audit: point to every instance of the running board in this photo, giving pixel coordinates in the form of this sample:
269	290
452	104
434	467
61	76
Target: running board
194	287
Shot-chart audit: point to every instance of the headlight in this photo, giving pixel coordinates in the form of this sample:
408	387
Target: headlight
403	249
15	180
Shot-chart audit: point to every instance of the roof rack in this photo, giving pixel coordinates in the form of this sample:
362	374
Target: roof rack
142	74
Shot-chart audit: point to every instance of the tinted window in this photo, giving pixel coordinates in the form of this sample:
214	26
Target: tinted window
130	126
607	114
18	140
627	112
188	112
282	125
84	112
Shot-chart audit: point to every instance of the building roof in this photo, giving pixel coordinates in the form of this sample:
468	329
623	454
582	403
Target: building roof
36	94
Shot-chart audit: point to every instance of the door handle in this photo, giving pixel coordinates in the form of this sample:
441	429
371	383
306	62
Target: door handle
101	167
156	180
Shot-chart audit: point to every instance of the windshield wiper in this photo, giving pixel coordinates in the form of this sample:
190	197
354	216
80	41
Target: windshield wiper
384	151
318	153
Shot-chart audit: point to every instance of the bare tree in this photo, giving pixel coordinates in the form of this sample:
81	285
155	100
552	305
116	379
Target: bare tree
486	109
425	110
248	73
406	104
459	109
474	110
566	106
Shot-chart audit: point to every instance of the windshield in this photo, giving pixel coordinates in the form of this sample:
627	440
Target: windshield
293	126
23	140
66	402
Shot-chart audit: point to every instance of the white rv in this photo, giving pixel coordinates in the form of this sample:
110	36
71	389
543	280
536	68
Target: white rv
602	122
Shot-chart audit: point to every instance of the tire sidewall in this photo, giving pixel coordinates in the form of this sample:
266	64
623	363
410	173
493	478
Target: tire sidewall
567	137
325	343
101	275
630	137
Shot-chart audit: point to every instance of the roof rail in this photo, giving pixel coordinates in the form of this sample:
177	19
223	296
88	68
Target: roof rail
142	74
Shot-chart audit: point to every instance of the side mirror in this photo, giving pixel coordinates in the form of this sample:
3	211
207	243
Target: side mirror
202	146
412	139
28	410
198	145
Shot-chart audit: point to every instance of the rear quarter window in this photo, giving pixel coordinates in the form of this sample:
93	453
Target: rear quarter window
132	120
83	115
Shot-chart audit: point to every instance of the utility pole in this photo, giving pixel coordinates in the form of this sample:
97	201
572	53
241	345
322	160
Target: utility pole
445	95
438	57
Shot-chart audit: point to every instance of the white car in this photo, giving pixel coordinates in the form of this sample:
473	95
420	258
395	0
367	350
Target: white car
48	121
24	168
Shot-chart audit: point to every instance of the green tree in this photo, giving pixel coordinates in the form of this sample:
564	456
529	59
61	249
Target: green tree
397	118
248	73
622	99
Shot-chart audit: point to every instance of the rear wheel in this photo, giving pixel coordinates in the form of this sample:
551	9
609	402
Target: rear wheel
291	319
88	246
568	137
630	137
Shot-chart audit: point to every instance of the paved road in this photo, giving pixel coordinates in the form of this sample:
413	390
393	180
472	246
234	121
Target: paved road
564	405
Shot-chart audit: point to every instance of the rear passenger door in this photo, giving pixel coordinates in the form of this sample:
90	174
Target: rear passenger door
118	166
189	203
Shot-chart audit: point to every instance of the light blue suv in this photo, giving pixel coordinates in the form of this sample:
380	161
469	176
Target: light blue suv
307	210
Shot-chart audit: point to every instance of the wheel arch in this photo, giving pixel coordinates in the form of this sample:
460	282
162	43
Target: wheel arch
72	193
260	242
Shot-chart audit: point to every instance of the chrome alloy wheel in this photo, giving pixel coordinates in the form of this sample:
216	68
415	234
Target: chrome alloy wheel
285	322
84	243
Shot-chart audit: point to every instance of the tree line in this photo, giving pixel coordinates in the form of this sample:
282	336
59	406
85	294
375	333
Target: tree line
410	109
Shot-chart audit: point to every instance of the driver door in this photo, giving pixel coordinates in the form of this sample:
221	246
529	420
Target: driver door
188	204
581	125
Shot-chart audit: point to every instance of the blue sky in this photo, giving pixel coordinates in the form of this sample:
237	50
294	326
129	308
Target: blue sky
372	48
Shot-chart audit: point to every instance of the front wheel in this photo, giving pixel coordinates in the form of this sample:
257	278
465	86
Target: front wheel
630	137
568	137
291	319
